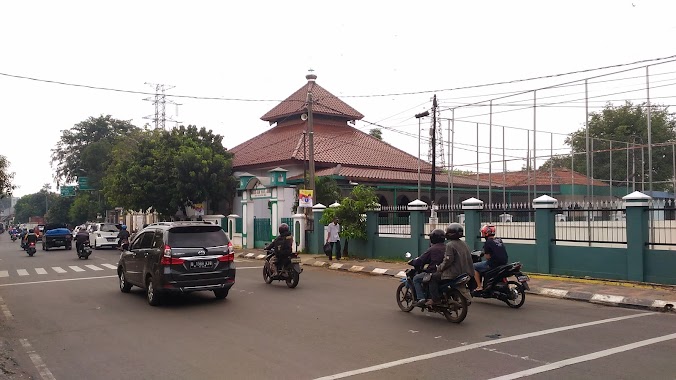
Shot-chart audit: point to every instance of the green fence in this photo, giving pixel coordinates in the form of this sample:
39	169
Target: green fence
262	232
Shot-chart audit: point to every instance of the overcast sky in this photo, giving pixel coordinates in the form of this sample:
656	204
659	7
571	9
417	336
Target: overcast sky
262	51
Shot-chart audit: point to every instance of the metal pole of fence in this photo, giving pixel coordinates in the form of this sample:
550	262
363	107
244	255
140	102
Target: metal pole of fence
611	168
490	154
627	166
673	164
535	151
528	164
551	166
650	135
452	151
633	166
450	166
504	171
586	133
642	168
591	156
477	161
572	171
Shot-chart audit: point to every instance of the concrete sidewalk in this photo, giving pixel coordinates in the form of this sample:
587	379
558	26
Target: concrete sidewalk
608	292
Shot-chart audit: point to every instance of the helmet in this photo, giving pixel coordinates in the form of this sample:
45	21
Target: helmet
488	230
283	228
437	236
454	231
124	227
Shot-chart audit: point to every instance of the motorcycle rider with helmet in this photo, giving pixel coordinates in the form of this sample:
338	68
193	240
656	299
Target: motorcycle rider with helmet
494	252
283	246
31	237
81	237
122	235
457	261
432	257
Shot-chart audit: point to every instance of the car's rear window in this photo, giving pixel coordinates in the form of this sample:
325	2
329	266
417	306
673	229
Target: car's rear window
197	236
109	228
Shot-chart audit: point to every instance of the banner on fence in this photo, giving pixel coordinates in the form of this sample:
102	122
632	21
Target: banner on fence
304	198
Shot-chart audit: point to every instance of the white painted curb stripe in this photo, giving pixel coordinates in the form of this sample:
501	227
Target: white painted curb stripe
661	304
4	273
40	271
250	255
59	270
607	298
560	293
261	256
336	266
355	268
76	268
6	312
318	263
472	346
379	271
110	266
585	358
44	372
400	274
22	272
93	267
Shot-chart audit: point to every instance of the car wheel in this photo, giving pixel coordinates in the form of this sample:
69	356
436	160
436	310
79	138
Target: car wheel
221	293
125	287
154	297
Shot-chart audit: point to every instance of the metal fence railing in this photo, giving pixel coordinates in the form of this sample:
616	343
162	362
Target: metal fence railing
394	220
512	220
598	222
662	227
447	214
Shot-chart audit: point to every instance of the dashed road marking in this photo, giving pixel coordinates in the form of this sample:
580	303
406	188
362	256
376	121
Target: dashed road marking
93	267
40	365
4	273
5	310
40	271
22	272
59	270
110	266
76	268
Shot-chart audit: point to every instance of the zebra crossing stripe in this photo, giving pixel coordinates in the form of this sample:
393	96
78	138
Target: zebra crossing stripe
76	268
110	266
93	267
4	273
22	272
40	271
59	270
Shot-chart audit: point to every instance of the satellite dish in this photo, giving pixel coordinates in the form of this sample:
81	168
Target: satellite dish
303	117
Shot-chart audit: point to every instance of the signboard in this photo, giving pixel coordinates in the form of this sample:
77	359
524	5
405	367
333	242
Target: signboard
261	191
199	209
83	183
304	198
67	191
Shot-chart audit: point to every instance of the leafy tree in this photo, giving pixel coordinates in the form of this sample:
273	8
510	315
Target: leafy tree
83	208
170	170
6	186
377	133
84	150
34	204
59	208
351	212
627	126
327	190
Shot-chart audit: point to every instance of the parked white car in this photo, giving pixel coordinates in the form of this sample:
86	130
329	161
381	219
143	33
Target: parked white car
103	235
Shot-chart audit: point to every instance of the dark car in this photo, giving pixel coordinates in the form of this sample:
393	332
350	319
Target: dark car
178	257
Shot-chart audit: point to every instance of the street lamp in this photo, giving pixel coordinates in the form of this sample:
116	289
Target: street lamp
420	116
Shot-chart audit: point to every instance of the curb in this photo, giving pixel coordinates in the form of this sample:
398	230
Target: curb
602	299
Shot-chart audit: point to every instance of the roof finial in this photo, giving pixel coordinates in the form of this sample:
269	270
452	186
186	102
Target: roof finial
311	77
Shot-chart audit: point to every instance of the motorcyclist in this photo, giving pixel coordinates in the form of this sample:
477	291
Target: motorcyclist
432	257
457	260
122	235
283	246
494	252
31	237
22	236
81	237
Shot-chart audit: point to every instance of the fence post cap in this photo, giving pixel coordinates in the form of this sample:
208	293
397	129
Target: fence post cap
545	201
299	216
417	205
472	204
318	207
375	206
334	204
233	216
636	199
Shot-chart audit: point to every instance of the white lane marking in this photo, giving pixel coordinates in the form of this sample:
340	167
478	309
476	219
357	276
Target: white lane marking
109	266
22	272
40	271
5	310
560	293
44	372
58	270
379	270
4	273
527	358
59	280
472	346
585	358
607	298
93	267
76	268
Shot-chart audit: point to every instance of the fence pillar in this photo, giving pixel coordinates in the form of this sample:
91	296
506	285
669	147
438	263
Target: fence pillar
417	209
317	245
545	231
232	222
637	205
472	208
299	225
372	229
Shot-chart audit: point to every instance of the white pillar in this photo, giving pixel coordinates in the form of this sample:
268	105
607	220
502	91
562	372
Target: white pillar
299	227
247	220
274	211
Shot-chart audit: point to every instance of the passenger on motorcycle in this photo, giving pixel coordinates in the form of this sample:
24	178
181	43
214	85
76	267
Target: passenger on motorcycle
31	237
494	252
81	237
432	257
122	235
457	261
283	246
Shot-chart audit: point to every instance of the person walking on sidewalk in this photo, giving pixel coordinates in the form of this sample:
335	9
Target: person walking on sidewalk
333	237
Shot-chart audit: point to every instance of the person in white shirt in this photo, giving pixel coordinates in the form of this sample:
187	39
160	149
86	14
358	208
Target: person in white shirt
333	237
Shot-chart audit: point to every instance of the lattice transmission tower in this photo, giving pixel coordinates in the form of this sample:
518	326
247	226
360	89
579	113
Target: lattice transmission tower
160	101
439	140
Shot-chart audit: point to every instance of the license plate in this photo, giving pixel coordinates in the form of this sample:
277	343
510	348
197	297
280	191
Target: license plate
200	264
296	260
110	239
523	278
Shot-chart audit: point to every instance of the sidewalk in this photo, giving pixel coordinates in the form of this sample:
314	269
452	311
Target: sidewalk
608	292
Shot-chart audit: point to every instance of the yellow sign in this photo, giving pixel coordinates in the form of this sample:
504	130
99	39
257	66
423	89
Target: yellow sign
305	198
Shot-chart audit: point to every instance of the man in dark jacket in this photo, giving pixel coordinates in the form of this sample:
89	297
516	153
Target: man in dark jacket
432	257
457	261
494	252
283	246
81	237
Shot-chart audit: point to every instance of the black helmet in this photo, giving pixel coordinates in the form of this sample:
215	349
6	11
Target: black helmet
437	236
454	231
283	228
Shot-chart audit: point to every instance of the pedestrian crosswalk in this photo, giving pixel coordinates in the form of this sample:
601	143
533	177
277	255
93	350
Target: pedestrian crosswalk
58	270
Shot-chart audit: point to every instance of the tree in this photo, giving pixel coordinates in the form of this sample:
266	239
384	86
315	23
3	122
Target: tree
59	208
327	190
351	212
84	150
627	126
6	186
377	133
170	170
83	208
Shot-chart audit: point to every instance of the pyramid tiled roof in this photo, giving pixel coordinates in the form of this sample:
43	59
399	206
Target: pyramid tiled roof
543	177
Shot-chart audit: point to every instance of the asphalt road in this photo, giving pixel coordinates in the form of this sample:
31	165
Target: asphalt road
64	318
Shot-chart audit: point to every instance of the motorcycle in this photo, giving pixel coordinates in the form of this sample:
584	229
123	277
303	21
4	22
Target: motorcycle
30	249
84	251
13	237
289	272
496	284
454	305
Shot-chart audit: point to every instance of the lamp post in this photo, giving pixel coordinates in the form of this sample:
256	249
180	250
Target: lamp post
420	116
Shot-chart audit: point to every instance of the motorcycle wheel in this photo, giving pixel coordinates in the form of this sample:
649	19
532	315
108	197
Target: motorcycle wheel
455	314
267	277
405	299
517	295
293	279
31	254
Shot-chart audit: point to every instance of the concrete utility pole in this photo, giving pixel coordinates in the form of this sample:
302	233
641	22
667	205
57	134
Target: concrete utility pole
434	149
420	116
311	78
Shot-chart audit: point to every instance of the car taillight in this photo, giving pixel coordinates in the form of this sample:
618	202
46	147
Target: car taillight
168	260
32	244
231	248
228	257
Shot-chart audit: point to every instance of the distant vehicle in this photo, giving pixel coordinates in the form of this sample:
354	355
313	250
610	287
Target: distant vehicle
103	235
56	235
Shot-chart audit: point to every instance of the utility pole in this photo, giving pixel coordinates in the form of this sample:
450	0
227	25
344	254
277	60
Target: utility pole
420	116
160	102
434	150
311	152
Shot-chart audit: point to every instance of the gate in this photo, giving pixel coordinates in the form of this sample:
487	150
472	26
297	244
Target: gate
262	232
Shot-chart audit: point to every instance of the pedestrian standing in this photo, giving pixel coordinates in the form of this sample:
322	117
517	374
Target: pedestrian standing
333	237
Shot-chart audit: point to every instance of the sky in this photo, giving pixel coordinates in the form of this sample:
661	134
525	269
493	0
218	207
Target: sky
385	59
